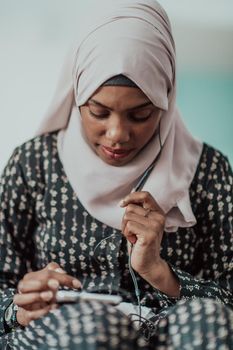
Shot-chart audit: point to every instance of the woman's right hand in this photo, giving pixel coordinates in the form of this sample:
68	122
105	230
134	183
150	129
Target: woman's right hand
37	292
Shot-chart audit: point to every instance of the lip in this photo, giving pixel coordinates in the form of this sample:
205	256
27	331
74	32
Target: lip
116	153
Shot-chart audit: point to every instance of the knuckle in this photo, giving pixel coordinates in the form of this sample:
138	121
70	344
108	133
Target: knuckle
34	318
28	315
129	208
54	283
144	241
156	226
162	220
47	274
129	226
16	298
153	234
28	276
158	223
20	285
126	216
33	298
52	266
145	194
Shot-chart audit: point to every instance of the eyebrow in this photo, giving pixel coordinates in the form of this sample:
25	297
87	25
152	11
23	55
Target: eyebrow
145	104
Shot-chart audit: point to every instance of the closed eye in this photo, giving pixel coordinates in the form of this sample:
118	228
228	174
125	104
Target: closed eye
140	117
99	115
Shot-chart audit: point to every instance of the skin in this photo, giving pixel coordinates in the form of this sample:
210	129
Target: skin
111	118
120	124
37	292
119	118
143	227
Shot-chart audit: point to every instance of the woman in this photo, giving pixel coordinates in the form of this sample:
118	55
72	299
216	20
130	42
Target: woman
115	196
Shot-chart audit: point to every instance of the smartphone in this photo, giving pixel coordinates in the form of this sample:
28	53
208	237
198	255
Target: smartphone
70	296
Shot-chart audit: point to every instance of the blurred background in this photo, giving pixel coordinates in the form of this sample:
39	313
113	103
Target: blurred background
35	36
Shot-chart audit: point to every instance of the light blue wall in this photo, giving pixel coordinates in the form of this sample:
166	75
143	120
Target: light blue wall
35	35
206	103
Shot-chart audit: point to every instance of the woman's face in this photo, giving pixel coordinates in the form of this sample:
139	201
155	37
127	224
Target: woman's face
118	122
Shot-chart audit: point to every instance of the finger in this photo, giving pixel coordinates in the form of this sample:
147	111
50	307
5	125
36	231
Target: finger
63	280
34	285
55	267
150	225
157	218
132	208
142	198
29	286
50	278
129	216
26	299
151	219
35	315
131	232
37	306
31	298
135	231
136	209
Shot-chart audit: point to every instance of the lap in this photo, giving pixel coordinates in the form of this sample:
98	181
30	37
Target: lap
189	324
85	326
196	324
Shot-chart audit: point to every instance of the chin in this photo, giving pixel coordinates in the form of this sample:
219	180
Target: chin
117	162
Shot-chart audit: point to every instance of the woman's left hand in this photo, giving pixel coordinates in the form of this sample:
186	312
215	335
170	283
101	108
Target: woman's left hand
143	225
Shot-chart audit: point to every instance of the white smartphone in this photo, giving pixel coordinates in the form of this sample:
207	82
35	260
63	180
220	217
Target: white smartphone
70	296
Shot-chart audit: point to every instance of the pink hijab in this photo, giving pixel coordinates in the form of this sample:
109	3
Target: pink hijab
133	38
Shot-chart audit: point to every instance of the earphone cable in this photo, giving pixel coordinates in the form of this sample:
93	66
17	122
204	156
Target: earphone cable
135	282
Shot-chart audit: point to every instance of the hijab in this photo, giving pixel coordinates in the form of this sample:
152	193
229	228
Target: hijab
131	38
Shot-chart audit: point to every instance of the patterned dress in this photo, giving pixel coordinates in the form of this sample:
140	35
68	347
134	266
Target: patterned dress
42	220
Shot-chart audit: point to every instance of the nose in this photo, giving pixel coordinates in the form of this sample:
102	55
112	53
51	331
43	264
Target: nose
117	130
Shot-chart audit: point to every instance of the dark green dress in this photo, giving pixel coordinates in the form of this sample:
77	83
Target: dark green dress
42	220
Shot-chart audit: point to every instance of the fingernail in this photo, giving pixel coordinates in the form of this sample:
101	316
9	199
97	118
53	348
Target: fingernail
76	283
59	270
121	203
21	285
54	284
51	267
48	295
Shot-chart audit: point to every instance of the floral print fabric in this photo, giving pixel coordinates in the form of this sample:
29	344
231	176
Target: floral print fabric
42	220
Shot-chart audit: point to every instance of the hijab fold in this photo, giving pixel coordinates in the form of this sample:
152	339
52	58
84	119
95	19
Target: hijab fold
132	38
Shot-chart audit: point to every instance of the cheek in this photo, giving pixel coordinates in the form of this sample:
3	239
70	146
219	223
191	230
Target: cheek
146	132
91	129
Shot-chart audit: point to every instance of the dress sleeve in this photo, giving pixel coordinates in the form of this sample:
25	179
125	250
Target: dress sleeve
215	234
214	198
16	223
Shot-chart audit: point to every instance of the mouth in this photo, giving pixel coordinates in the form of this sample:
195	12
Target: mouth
116	153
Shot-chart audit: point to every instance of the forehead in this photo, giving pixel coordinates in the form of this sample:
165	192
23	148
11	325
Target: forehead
120	97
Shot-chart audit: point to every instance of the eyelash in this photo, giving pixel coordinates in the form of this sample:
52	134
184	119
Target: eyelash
103	116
